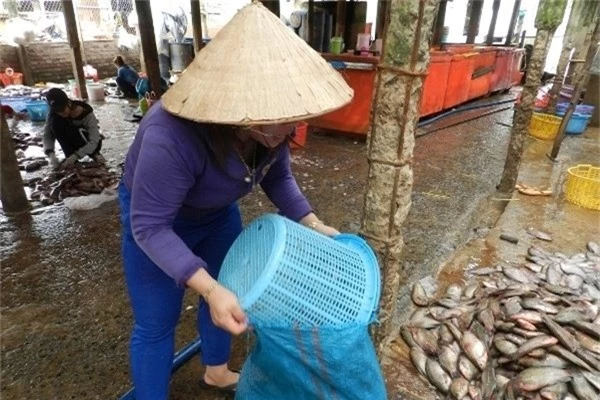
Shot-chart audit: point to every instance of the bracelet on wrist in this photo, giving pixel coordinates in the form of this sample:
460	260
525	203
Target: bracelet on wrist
209	290
314	224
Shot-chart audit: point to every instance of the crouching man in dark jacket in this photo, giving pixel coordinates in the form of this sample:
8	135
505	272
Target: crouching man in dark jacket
75	127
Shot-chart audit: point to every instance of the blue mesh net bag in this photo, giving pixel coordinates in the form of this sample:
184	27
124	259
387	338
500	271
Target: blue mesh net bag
310	300
319	363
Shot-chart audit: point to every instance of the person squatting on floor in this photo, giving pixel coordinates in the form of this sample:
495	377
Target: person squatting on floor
74	126
127	78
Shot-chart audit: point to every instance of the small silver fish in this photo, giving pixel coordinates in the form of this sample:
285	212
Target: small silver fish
533	379
448	359
426	340
594	248
555	392
505	347
573	281
446	336
454	292
587	327
582	388
534	343
563	336
516	274
538	305
467	368
474	349
593	378
540	235
459	388
567	355
437	376
419	359
418	295
572	269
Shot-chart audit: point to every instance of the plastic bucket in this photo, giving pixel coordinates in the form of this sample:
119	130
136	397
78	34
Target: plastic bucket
181	55
37	110
577	124
95	92
583	109
299	138
287	275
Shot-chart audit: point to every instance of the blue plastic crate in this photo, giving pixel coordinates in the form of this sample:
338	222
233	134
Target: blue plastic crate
37	110
287	275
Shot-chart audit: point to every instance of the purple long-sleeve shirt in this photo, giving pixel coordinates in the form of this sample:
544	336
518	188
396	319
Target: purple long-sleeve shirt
170	170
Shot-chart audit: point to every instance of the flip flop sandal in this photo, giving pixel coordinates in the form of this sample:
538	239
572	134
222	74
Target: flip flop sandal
229	389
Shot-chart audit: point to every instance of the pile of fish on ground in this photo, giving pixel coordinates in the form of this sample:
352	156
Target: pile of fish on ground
22	141
529	332
80	180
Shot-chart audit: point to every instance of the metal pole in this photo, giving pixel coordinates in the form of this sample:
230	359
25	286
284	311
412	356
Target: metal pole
474	19
513	23
490	36
439	23
184	355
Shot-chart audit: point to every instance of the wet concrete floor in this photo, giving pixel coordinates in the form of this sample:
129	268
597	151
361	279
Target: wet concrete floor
65	313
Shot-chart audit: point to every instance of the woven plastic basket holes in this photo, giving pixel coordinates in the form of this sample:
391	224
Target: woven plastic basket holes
583	186
287	275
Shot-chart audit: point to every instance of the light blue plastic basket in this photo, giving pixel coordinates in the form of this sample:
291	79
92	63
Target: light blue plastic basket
287	275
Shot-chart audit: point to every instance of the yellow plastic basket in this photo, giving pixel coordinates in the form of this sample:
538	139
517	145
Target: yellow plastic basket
583	186
544	126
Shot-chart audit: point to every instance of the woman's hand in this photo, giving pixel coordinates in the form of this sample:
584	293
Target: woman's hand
326	230
225	310
311	221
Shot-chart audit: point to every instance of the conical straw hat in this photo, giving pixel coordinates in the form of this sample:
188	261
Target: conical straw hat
256	71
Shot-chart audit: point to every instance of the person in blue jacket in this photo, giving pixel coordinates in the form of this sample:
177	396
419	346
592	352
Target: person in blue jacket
127	77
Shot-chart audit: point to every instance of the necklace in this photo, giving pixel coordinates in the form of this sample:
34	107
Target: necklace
251	172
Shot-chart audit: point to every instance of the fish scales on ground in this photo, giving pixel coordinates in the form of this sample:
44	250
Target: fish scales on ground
528	330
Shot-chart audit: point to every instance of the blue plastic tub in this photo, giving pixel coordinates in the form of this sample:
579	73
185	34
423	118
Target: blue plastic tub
286	275
37	110
18	104
584	109
577	124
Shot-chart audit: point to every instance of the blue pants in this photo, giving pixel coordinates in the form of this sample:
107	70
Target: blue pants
156	299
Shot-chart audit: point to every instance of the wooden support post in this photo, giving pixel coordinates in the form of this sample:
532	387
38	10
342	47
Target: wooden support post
438	29
340	18
75	44
383	7
474	19
197	25
513	23
400	76
311	21
273	6
12	192
25	65
146	27
490	36
579	85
